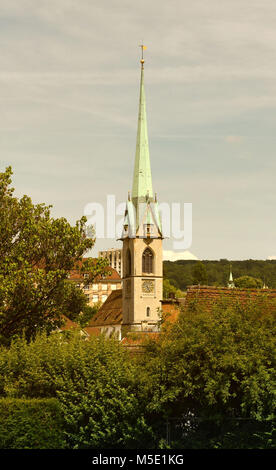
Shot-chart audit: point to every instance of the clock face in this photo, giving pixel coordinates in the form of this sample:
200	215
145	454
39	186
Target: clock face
148	286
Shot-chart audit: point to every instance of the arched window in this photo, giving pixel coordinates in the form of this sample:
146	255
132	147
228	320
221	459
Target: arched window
128	262
148	311
147	261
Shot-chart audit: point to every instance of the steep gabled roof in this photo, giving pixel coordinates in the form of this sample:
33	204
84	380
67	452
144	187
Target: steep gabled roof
111	311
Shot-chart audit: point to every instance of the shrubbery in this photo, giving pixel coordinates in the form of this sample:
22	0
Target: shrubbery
211	376
95	382
31	424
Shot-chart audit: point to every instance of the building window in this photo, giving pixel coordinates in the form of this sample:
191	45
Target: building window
95	286
86	287
104	286
86	275
128	262
148	311
95	298
113	286
104	297
147	261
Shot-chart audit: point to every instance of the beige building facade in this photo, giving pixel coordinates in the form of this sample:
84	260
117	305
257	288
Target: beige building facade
98	291
142	283
114	257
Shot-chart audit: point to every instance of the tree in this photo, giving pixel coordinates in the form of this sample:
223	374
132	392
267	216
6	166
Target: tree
168	289
248	282
180	273
199	274
87	313
36	254
214	365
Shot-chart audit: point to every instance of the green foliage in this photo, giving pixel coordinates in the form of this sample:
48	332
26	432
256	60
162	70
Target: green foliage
211	375
180	273
97	393
248	282
216	361
87	313
36	253
221	433
31	424
168	289
95	382
199	274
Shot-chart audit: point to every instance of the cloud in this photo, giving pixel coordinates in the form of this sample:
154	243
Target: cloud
273	257
69	86
170	255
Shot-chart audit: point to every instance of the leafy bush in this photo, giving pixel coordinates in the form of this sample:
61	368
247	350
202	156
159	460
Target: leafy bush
214	366
215	361
222	433
95	382
30	424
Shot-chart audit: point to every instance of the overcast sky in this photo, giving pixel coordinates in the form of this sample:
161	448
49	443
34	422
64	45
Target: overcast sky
69	84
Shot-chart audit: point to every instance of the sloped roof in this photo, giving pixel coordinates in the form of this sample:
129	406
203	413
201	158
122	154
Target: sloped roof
209	295
77	275
136	341
92	330
111	311
68	324
170	309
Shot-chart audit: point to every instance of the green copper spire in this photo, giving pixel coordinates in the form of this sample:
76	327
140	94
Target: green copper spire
142	215
142	184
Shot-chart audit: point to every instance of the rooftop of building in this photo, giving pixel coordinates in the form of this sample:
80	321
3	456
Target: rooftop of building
77	274
211	294
111	311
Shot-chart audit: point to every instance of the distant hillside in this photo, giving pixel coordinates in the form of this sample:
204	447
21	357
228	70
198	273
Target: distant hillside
179	273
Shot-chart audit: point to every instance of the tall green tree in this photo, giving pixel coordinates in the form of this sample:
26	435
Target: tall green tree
215	361
36	253
199	273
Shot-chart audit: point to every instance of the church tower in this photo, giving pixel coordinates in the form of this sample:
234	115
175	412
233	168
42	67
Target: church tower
142	238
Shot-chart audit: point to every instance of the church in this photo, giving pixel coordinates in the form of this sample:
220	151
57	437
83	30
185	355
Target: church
136	307
133	311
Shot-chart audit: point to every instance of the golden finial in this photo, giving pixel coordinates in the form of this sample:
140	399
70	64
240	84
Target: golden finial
143	48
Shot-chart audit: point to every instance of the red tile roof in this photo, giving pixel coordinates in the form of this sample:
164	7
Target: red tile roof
209	295
77	273
111	311
136	341
68	324
170	309
92	330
